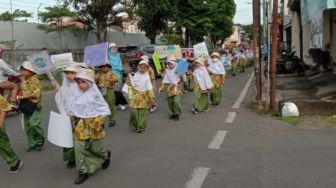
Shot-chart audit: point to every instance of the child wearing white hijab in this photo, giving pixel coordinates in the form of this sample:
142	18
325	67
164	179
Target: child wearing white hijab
217	73
203	85
141	97
172	80
89	111
64	98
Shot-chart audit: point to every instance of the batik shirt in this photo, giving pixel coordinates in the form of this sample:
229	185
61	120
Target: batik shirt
140	99
106	80
32	85
217	80
4	105
90	128
174	90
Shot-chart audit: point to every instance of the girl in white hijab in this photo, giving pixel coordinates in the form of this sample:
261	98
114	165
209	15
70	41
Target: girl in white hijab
141	97
64	98
172	80
88	111
217	72
203	85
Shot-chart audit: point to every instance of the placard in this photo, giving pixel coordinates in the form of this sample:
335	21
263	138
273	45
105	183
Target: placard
201	50
41	62
174	50
60	130
96	55
182	67
157	62
161	51
187	52
61	60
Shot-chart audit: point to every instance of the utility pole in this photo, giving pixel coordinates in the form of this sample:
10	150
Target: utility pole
256	44
275	35
38	12
12	30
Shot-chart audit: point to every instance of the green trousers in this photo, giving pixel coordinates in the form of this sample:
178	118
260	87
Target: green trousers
6	151
33	129
201	101
110	100
234	69
69	154
174	105
216	95
138	118
90	155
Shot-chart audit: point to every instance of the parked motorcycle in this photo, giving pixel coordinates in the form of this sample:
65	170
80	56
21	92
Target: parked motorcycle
289	63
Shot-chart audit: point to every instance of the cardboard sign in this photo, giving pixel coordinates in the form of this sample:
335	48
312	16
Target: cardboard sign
174	50
61	60
60	130
182	67
41	62
96	55
201	50
187	52
161	51
157	63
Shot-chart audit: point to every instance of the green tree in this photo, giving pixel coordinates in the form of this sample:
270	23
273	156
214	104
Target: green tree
53	21
97	15
11	17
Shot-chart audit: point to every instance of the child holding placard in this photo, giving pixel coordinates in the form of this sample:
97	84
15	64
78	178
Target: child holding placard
65	96
106	81
31	107
88	112
141	96
172	80
6	151
203	85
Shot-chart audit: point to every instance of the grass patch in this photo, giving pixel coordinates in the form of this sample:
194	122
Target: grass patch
332	119
46	86
290	120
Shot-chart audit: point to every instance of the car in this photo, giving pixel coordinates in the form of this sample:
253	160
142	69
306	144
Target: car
134	53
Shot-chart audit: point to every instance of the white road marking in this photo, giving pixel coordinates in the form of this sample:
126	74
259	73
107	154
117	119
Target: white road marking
197	178
243	93
231	117
217	140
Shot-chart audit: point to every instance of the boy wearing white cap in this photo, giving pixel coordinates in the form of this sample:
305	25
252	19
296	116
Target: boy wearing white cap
31	107
88	112
141	96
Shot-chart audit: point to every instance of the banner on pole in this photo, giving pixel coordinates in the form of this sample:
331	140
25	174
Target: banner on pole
41	62
157	62
96	55
61	60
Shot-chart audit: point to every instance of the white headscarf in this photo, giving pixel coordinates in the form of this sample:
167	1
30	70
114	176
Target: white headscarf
171	77
141	82
66	95
90	104
216	67
202	77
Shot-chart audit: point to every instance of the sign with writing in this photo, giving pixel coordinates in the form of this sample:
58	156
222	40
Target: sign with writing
96	55
61	60
161	51
41	62
174	50
187	52
201	50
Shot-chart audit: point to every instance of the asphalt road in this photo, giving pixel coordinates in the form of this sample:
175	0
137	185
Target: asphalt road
223	148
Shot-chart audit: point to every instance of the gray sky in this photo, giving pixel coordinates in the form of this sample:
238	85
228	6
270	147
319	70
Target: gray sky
243	14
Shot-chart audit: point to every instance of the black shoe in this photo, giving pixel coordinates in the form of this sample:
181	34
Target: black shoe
106	163
171	117
16	168
40	146
112	124
71	164
176	118
194	111
82	177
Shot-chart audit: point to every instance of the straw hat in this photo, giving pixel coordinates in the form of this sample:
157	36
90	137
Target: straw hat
215	54
86	74
28	66
112	44
200	61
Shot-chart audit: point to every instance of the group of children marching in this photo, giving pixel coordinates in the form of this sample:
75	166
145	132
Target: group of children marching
87	97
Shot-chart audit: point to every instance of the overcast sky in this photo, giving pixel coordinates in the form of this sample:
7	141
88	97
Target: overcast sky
243	14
